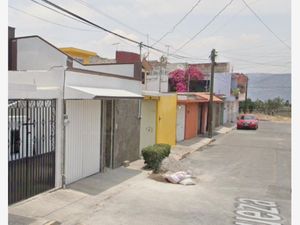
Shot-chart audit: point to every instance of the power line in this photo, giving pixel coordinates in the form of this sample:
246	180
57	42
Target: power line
54	10
84	3
211	21
255	14
83	20
48	21
180	21
98	26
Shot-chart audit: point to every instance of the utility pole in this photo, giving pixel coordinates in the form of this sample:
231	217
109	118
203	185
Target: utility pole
210	109
141	45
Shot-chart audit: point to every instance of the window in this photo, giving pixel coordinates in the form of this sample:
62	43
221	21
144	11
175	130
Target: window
15	141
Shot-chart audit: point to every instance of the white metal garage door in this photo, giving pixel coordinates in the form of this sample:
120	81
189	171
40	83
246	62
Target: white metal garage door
82	139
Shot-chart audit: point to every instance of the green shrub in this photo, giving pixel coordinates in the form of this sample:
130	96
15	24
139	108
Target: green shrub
165	148
153	155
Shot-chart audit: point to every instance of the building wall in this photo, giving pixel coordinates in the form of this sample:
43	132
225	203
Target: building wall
216	115
191	120
222	84
88	80
127	131
204	117
35	54
81	57
180	124
126	70
156	83
35	84
166	119
148	123
127	57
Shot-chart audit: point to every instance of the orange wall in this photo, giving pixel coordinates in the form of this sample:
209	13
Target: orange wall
191	120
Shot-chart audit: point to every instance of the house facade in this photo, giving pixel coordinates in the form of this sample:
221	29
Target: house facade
192	114
77	119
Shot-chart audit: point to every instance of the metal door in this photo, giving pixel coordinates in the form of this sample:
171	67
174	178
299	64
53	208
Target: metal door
83	134
148	123
31	148
180	125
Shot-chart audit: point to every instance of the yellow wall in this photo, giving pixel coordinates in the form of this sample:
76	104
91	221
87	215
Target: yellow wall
166	119
79	53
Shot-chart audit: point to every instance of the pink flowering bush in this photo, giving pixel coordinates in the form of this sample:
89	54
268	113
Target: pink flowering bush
194	73
179	78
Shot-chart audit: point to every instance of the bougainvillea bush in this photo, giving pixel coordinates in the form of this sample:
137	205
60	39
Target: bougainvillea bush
179	78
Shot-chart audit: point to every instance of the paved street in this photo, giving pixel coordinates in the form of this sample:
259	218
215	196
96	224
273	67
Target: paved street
243	164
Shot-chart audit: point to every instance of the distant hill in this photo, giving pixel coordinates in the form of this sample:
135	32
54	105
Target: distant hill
266	86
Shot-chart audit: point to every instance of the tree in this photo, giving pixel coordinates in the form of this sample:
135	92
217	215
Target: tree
179	78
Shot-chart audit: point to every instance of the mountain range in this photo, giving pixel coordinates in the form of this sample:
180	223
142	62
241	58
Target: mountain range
264	86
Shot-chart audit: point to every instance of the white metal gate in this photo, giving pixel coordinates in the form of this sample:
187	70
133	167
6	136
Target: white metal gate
82	139
180	123
148	123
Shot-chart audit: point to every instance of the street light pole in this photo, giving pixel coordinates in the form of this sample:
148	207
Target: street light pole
211	89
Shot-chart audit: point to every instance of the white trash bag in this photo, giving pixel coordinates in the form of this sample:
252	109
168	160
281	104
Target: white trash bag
177	177
187	181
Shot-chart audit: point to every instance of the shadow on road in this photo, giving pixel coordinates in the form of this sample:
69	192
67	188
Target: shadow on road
100	182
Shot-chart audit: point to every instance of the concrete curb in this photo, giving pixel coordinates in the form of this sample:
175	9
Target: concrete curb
194	150
184	155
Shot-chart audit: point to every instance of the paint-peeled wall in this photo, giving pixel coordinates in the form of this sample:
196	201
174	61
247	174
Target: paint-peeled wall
166	119
127	131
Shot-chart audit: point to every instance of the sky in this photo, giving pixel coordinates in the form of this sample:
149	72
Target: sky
237	35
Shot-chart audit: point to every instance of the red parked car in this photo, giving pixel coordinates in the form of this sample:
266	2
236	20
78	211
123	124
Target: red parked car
247	121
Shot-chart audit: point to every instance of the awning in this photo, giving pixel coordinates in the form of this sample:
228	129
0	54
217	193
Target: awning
207	96
76	92
200	97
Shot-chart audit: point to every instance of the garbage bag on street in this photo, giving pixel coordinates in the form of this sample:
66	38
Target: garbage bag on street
177	177
187	181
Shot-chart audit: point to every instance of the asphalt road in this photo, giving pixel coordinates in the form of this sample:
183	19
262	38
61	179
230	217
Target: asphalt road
247	164
242	178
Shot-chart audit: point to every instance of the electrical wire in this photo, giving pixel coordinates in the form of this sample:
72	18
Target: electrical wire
107	30
189	57
98	26
207	25
48	21
54	10
84	3
268	28
180	21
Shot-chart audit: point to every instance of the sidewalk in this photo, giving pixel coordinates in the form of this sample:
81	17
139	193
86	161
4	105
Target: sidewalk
88	196
184	148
